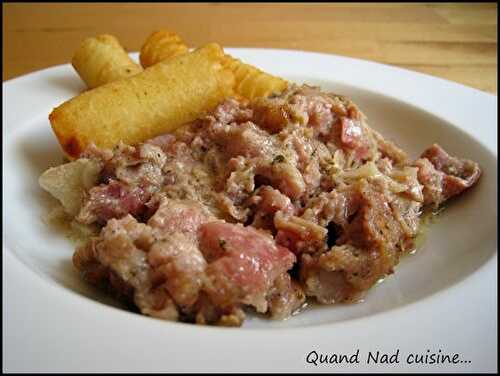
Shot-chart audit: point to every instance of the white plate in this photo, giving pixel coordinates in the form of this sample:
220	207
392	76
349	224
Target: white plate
443	298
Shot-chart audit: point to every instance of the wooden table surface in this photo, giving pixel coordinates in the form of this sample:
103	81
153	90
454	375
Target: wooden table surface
453	41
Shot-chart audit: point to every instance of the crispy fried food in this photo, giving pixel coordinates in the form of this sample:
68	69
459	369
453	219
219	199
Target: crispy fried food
161	45
101	60
251	82
155	101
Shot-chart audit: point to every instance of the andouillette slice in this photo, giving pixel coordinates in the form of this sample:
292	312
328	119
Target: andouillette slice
155	101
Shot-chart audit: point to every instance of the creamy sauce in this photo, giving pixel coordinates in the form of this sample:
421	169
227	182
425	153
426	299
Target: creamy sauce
63	223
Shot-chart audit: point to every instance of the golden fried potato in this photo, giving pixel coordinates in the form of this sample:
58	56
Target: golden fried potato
161	45
251	82
155	101
101	60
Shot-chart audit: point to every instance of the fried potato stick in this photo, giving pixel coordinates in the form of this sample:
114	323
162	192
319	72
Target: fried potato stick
158	100
161	45
101	60
250	82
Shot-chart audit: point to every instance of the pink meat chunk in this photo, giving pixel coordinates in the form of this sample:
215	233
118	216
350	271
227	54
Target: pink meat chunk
352	137
282	175
285	297
179	265
244	263
268	201
117	259
231	111
444	176
178	216
114	200
240	139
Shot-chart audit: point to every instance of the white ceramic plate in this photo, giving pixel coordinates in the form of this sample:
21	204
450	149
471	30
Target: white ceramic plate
443	298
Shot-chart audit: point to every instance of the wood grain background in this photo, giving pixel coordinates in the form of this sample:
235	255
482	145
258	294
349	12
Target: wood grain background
453	41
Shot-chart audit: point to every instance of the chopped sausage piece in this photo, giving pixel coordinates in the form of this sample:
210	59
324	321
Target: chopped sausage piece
267	201
282	175
120	256
327	287
245	139
112	200
336	206
444	176
272	200
179	265
298	234
232	111
184	216
244	263
390	149
285	297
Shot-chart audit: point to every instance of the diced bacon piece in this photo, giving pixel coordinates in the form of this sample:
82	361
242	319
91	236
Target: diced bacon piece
244	263
444	176
353	137
351	132
86	261
460	174
240	180
114	200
